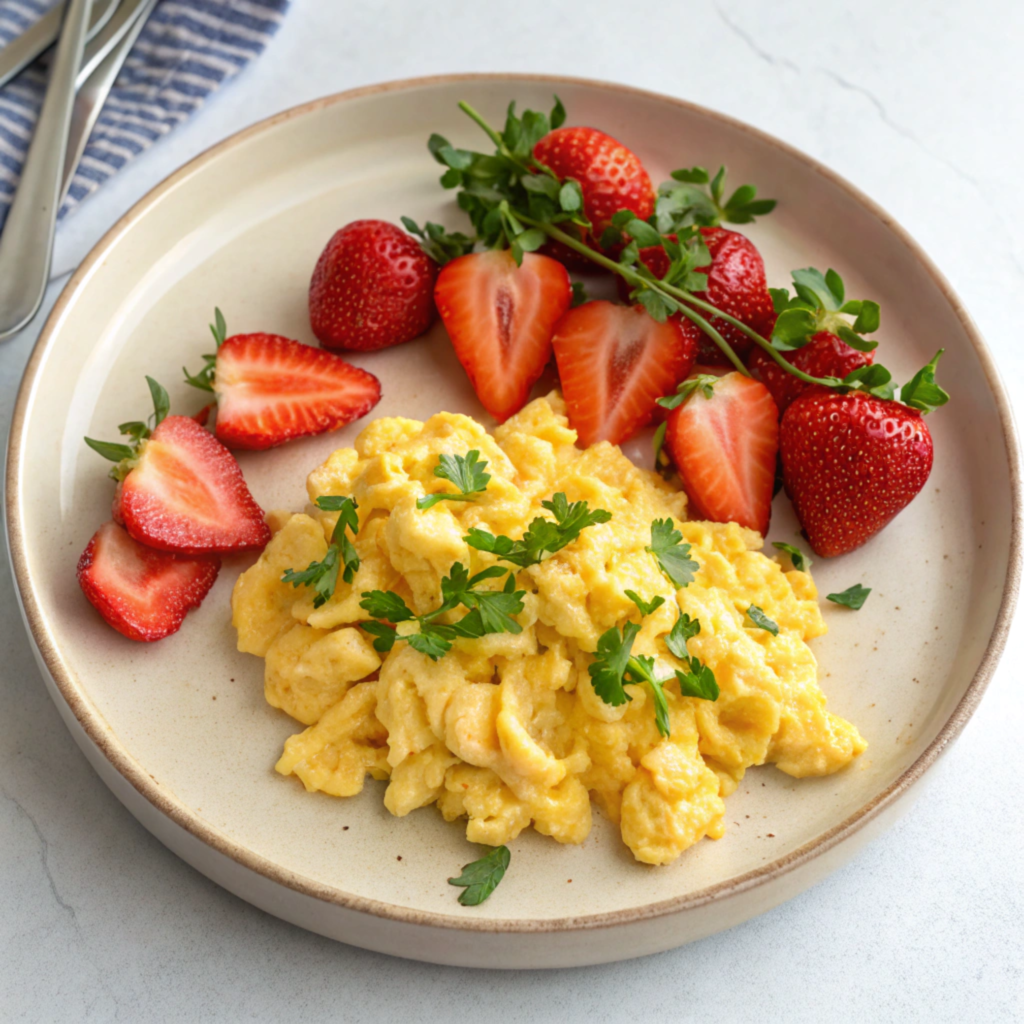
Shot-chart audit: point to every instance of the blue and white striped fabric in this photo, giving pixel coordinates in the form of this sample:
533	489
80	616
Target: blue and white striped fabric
188	49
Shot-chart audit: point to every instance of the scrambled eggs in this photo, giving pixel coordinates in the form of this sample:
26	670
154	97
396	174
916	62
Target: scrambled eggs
506	730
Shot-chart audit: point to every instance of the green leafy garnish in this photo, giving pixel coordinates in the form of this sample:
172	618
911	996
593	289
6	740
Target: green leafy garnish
801	562
204	378
702	382
341	557
543	537
694	197
481	877
579	294
759	619
125	455
646	607
672	554
489	611
921	392
820	305
853	597
614	666
440	245
697	679
466	473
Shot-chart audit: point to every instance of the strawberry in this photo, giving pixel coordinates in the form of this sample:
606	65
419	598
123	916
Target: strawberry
372	288
614	363
270	389
144	594
736	285
723	437
500	318
611	177
826	355
184	492
851	463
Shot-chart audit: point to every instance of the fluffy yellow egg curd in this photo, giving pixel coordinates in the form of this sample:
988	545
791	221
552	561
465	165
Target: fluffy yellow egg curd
506	730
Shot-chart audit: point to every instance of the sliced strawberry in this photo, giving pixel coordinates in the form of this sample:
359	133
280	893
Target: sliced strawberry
185	493
270	390
725	448
500	318
614	363
144	594
826	355
851	463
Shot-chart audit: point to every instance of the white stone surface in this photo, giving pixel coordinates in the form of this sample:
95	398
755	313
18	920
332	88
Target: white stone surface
917	103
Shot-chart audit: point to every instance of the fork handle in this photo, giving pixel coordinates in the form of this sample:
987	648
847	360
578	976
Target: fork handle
26	245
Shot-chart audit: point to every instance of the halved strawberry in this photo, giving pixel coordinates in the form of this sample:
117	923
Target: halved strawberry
724	438
614	363
144	594
500	318
184	492
270	389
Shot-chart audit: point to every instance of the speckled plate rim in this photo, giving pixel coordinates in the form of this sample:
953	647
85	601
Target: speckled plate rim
102	736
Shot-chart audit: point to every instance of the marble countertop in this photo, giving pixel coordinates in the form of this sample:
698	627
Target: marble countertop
918	105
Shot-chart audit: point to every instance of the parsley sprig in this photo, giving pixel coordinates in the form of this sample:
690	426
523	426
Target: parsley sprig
125	455
515	202
543	537
852	597
614	666
341	557
481	877
465	472
801	562
488	611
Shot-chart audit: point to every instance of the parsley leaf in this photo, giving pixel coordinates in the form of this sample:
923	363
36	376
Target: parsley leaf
341	557
611	659
672	554
543	537
696	679
465	472
640	668
692	197
853	597
801	562
646	607
481	877
759	619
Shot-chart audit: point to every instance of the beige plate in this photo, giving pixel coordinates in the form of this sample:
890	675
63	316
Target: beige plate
180	731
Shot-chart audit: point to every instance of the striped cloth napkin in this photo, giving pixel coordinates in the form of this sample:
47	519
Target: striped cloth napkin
188	49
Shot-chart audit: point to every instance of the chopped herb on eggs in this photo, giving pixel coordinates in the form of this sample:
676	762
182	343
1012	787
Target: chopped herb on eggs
852	597
481	877
465	472
646	607
341	556
759	619
672	554
800	561
543	537
615	665
489	611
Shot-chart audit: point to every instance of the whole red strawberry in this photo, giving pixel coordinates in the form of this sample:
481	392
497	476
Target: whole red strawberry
851	463
611	177
736	285
373	287
826	355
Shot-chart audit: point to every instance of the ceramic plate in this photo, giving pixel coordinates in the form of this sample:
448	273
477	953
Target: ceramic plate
180	730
